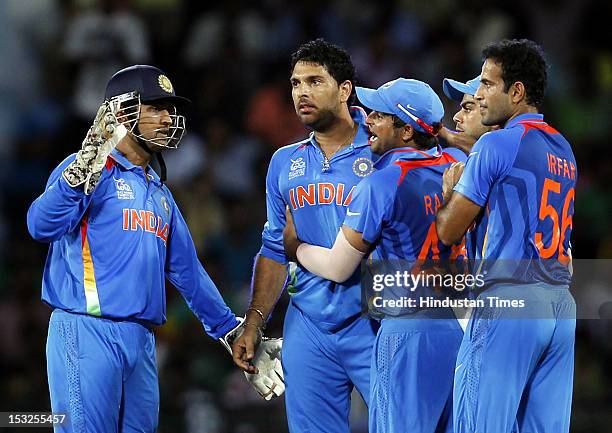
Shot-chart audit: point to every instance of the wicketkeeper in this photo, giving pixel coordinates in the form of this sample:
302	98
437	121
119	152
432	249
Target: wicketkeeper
115	234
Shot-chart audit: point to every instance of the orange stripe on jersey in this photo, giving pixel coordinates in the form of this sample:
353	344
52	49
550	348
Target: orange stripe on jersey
110	163
406	166
542	126
89	277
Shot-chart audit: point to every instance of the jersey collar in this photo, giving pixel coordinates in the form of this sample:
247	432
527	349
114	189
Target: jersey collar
536	117
406	154
120	159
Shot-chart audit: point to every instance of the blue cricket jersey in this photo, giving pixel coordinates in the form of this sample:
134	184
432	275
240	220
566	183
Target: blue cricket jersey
318	195
524	175
473	237
395	210
111	251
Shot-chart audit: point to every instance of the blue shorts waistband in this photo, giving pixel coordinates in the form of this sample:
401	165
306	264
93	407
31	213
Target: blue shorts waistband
58	312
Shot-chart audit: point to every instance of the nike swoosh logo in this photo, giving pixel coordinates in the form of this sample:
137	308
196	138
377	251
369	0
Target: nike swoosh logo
349	213
472	153
412	116
458	367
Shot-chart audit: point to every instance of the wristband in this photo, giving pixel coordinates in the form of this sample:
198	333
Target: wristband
263	320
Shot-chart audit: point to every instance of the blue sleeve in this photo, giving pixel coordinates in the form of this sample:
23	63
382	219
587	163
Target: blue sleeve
490	160
184	270
59	209
272	236
371	206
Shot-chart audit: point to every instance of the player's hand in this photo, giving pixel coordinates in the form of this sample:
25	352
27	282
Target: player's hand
102	137
450	178
244	348
290	239
454	139
241	342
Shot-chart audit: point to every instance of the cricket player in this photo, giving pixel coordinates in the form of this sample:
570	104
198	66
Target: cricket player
468	129
327	345
392	215
115	235
515	366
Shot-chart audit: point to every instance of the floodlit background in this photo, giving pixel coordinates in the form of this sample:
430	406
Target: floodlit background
232	59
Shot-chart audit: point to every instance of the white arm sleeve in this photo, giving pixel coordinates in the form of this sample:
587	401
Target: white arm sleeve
336	264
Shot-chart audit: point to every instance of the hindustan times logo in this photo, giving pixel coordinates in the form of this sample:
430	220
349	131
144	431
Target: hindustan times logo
412	281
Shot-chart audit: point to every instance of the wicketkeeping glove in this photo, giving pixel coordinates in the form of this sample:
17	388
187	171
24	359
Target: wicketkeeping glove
269	382
101	139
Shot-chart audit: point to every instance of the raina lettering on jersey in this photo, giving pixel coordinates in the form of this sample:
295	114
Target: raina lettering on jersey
431	204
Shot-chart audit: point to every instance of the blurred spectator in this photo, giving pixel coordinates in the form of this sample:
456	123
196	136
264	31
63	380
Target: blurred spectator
202	209
189	163
236	23
100	40
373	63
235	248
271	114
232	158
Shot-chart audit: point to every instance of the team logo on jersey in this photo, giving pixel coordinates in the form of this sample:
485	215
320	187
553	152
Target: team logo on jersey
298	168
165	84
124	190
165	204
363	166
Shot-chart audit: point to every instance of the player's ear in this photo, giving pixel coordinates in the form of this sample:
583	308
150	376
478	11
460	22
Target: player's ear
407	132
517	92
346	87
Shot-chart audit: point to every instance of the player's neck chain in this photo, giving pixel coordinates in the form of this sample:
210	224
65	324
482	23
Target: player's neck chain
326	158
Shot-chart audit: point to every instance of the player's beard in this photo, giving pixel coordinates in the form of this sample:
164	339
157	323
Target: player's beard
491	118
496	114
475	130
324	121
149	147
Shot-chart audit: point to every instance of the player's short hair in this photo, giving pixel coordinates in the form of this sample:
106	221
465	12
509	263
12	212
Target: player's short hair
335	59
521	60
421	139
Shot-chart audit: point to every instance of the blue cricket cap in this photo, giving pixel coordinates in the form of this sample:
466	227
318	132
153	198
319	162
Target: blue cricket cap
148	81
413	101
456	89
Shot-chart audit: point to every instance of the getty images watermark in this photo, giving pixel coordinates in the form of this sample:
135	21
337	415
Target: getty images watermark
437	284
512	289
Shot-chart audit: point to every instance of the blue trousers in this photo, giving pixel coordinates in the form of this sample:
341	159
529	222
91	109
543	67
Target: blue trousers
515	367
412	375
102	374
321	368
